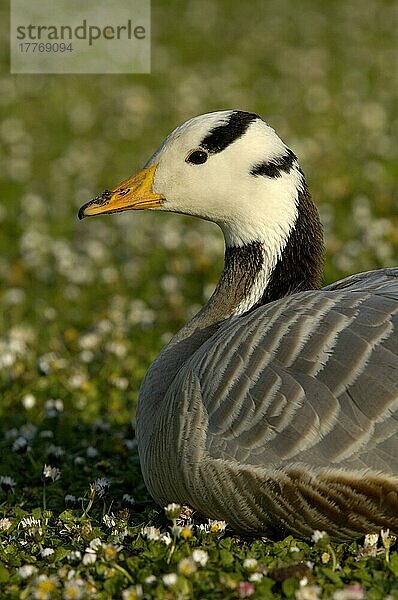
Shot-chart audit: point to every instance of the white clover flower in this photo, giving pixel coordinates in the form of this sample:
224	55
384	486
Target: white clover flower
7	359
387	538
11	434
74	555
133	593
109	520
308	592
95	545
27	571
16	346
77	381
56	451
130	444
14	296
200	557
32	525
121	383
150	580
318	535
28	401
50	313
120	535
89	341
69	498
350	592
370	544
101	486
89	557
170	579
46	552
384	534
86	356
25	334
176	531
255	577
19	444
170	284
50	472
100	424
166	539
172	510
119	349
104	326
28	431
250	564
151	533
109	274
91	452
7	483
30	522
5	524
44	363
53	407
129	499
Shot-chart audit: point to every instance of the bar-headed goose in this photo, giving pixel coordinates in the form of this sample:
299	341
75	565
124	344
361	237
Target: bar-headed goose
276	407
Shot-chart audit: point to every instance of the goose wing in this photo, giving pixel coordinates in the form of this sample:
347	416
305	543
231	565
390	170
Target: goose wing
311	378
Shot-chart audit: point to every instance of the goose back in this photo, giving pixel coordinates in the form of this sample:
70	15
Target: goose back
293	410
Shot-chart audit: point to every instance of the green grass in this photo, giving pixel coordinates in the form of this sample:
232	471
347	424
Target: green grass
86	306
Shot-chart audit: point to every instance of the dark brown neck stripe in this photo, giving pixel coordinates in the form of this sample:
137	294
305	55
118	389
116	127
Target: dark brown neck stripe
300	265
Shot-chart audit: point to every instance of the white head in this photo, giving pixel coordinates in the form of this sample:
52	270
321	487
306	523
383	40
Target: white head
206	168
231	168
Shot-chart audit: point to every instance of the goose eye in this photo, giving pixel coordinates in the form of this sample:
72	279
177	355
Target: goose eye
197	157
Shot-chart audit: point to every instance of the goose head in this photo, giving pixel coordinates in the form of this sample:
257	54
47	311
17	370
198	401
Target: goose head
229	167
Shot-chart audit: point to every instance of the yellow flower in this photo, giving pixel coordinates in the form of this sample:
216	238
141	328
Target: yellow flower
73	590
85	386
45	588
186	567
229	581
71	334
133	593
217	526
186	532
110	552
325	557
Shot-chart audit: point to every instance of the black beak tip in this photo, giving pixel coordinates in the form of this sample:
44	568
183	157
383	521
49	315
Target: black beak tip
81	214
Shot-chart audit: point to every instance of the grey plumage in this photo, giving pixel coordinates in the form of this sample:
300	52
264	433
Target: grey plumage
285	420
274	408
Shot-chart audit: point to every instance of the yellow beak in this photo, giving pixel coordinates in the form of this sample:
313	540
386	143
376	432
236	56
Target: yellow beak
135	193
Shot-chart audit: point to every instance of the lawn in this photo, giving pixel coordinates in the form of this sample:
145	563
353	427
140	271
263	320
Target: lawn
86	306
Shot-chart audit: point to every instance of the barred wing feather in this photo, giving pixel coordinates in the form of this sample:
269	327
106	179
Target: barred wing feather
299	403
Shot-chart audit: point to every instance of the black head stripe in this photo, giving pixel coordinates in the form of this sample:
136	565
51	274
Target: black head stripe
276	166
223	135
